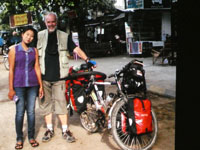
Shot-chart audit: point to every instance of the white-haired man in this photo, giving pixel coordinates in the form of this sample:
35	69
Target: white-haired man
53	48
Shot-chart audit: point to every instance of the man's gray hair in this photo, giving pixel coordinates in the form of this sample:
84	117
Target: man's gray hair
50	13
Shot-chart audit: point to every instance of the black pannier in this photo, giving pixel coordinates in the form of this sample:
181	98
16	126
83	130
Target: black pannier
75	94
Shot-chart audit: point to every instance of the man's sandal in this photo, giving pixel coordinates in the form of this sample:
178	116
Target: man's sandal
19	145
34	143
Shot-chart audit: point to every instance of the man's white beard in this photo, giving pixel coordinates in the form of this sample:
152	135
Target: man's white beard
52	30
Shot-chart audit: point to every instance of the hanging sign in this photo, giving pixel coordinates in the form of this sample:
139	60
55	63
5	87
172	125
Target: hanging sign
20	19
157	3
136	4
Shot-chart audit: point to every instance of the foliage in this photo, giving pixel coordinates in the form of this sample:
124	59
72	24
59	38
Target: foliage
39	7
4	27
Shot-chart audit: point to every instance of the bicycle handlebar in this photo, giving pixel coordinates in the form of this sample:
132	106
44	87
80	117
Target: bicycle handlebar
111	75
126	67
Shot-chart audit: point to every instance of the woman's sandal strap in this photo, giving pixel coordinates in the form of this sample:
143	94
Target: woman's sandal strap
19	146
34	143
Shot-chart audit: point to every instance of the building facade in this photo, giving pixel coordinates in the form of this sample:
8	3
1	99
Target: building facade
148	23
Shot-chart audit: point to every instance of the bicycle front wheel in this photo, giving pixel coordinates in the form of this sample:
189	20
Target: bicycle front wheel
128	141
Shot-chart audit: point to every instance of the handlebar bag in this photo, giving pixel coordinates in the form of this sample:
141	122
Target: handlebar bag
133	79
139	115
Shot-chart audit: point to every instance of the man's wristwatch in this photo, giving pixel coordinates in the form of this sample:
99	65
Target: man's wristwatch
87	59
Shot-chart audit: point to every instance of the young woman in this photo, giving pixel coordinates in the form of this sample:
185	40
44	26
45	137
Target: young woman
25	82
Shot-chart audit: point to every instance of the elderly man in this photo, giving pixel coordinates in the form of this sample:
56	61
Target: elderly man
53	47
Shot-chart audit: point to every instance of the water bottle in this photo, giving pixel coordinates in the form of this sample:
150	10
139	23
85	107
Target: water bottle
109	124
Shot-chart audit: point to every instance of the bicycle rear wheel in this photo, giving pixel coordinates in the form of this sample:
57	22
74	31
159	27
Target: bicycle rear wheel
129	141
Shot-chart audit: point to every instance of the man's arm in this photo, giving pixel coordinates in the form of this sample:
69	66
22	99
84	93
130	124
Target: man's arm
74	48
81	53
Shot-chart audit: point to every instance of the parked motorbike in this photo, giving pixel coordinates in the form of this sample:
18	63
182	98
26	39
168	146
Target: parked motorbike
5	47
8	41
5	61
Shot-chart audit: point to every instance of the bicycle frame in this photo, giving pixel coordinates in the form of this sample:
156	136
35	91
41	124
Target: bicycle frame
98	99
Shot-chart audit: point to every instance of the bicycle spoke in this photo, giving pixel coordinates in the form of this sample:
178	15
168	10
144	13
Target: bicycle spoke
127	140
123	134
133	143
123	109
144	141
138	143
120	131
124	138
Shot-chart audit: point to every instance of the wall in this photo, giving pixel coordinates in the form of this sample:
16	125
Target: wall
166	25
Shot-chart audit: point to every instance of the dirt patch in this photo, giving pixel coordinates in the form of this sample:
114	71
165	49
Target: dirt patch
164	108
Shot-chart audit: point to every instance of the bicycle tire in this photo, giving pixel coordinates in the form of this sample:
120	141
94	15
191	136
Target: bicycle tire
130	142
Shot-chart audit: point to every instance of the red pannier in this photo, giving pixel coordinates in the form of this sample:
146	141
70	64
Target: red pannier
75	94
123	122
76	90
139	115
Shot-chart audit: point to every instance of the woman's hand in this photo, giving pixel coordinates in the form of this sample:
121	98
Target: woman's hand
11	93
41	93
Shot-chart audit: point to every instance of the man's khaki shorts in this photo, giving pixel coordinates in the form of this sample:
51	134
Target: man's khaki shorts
54	100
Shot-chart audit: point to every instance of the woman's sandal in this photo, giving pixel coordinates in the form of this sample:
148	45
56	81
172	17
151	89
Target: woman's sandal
19	145
34	143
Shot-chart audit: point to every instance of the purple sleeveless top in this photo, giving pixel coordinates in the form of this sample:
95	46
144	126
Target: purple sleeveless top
24	73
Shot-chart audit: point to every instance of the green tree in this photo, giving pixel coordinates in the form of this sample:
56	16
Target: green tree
39	7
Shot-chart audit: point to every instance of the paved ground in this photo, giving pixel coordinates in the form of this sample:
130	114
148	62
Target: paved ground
160	79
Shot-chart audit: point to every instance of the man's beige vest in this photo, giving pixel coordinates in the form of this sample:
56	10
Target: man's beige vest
62	39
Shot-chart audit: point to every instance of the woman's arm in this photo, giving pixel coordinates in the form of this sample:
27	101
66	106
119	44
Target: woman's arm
38	74
11	59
